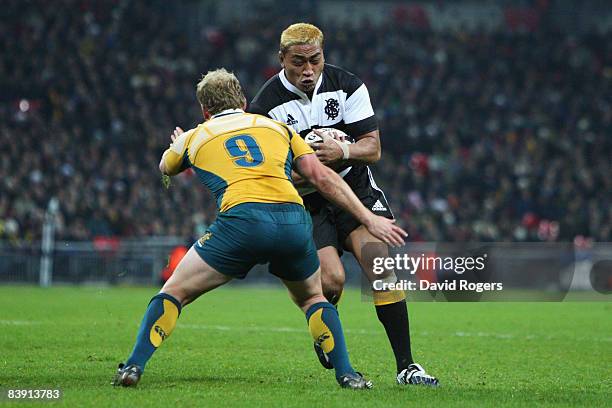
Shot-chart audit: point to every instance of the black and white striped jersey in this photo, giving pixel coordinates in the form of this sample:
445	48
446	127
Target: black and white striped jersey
340	100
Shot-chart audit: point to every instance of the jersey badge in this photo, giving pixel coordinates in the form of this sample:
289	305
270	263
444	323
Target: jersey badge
332	108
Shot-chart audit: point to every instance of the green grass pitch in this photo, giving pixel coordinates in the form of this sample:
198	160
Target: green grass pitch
249	346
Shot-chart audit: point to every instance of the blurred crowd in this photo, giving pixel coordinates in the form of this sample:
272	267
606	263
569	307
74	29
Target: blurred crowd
486	136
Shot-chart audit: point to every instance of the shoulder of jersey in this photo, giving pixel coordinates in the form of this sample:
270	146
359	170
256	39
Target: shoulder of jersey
340	78
189	133
262	120
272	94
270	86
336	70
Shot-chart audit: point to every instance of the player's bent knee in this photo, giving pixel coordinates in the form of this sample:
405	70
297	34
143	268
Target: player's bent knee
333	293
306	303
333	285
178	293
177	288
332	281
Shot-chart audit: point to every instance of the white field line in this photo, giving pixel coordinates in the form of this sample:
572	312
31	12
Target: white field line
19	322
262	329
503	336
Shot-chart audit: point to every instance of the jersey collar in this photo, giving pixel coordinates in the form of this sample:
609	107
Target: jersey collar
227	112
294	89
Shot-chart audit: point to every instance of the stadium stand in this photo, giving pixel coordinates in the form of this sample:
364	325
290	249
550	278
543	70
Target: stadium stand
487	136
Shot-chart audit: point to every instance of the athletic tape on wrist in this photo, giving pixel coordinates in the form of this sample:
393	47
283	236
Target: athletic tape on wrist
345	149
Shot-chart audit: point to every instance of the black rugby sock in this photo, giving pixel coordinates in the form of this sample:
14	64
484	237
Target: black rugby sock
394	317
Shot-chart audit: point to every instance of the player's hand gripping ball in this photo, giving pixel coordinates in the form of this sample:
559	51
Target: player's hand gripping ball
321	135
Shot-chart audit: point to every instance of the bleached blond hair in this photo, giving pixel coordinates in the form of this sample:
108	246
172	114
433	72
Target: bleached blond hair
300	34
219	90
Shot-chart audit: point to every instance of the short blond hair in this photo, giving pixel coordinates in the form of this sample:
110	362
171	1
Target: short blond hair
300	34
219	90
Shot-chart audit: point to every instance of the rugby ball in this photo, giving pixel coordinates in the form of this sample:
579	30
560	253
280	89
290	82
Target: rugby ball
312	138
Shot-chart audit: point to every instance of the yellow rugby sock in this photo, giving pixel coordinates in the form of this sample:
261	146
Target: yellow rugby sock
387	297
326	330
156	326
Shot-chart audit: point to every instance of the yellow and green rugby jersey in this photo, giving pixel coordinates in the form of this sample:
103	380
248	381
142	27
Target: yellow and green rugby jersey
241	157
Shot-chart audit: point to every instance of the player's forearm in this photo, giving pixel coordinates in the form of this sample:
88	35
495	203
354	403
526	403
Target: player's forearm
334	188
365	151
298	180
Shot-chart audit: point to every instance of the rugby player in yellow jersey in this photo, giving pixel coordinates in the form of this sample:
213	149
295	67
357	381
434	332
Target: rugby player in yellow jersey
246	160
